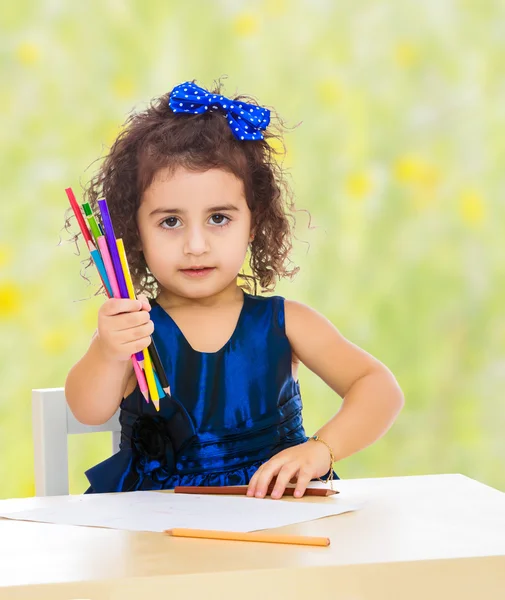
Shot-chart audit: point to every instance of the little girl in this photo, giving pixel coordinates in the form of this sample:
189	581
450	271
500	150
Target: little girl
192	186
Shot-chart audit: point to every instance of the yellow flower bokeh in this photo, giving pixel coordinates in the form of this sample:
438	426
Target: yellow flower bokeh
358	185
416	171
275	8
277	146
123	87
111	133
11	296
6	254
329	91
56	342
245	25
472	207
405	54
28	53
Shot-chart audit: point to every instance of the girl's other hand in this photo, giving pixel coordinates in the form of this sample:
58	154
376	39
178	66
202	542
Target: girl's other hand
299	464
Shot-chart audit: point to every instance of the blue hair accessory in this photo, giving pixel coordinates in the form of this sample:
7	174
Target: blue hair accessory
246	121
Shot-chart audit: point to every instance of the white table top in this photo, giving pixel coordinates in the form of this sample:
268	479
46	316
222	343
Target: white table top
428	527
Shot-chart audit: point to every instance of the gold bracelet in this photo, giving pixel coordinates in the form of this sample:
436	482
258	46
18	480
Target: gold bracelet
316	438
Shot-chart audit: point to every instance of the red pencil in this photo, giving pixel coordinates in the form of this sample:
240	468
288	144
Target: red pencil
241	490
80	219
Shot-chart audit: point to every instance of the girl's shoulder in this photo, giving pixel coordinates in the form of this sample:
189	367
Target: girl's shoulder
272	304
303	321
291	316
297	310
264	299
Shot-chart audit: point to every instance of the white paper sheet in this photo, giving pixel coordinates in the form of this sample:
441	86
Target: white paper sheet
155	511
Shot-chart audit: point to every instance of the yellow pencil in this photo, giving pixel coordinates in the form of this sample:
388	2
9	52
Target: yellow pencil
148	367
151	382
301	540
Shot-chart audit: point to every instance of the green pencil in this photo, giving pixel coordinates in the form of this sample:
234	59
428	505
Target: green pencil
91	220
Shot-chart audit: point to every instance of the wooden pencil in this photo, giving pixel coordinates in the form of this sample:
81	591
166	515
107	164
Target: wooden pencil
80	220
241	490
155	357
300	540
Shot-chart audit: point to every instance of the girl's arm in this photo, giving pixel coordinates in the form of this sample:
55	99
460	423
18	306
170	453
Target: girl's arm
371	401
371	395
96	385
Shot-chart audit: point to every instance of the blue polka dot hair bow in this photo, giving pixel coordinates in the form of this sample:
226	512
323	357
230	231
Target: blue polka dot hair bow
246	121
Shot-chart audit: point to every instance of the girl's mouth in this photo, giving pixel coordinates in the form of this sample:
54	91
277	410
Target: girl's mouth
197	271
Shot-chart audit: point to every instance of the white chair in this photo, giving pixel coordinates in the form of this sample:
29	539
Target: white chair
52	421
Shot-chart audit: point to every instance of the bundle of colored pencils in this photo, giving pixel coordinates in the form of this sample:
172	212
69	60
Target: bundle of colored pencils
108	255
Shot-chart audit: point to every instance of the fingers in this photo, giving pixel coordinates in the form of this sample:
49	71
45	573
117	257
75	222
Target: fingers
263	477
132	334
283	472
251	488
283	478
304	477
124	327
275	474
136	346
116	306
145	302
130	320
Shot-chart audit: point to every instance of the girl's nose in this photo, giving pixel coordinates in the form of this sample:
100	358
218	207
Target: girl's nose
195	242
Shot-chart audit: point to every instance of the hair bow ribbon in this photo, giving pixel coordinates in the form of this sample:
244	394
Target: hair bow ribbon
246	121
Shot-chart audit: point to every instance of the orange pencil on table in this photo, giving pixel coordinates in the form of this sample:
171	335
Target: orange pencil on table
236	536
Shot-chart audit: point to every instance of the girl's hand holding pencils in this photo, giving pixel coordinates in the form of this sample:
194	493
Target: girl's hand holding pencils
109	256
124	327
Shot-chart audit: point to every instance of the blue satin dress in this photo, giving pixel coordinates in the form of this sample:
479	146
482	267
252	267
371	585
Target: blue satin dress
229	411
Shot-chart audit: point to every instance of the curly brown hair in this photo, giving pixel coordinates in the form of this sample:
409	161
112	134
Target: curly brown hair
157	138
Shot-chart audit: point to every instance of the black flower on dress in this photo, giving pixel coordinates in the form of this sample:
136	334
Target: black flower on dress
151	439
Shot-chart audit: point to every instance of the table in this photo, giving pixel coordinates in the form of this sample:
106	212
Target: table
419	537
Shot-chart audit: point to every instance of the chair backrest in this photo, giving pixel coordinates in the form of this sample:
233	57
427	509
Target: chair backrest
52	422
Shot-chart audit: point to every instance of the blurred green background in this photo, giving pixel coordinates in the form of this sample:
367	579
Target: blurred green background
399	159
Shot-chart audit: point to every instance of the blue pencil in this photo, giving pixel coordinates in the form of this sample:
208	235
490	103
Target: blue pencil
97	259
110	236
161	391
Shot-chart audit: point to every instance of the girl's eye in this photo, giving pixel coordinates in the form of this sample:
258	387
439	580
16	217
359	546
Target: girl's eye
219	220
170	223
174	222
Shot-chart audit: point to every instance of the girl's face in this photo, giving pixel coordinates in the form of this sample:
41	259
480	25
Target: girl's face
194	230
